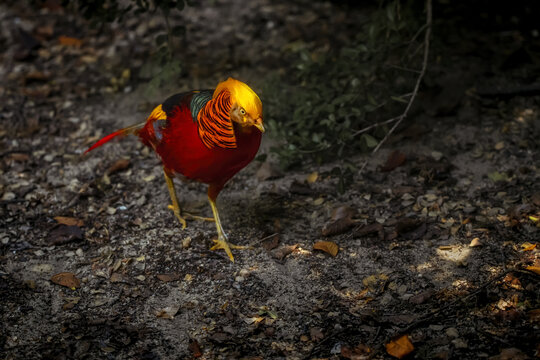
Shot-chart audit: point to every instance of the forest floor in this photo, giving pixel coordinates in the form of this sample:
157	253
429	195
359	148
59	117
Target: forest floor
437	237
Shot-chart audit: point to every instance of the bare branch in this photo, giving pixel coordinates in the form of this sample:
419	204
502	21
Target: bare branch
400	118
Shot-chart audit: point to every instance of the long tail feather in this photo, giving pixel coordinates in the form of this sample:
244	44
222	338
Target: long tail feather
133	129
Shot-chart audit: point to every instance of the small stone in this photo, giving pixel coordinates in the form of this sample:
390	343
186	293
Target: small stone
239	279
111	210
141	277
244	273
79	252
8	196
452	332
39	253
48	157
499	145
460	343
436	155
186	242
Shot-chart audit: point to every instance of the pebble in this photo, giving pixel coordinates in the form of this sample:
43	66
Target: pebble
8	196
79	252
436	155
39	253
48	157
452	332
460	343
141	277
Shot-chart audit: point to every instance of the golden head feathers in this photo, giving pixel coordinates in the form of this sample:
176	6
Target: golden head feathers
241	94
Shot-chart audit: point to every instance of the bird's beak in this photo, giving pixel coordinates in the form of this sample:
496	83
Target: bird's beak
259	125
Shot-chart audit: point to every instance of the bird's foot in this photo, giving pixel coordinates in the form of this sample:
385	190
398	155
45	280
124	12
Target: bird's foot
176	211
221	243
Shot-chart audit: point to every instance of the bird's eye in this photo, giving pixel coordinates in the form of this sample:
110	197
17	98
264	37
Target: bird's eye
242	111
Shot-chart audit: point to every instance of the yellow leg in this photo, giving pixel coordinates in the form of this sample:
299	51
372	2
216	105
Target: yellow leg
174	207
221	242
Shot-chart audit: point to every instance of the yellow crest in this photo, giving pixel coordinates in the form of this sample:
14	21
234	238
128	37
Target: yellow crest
242	94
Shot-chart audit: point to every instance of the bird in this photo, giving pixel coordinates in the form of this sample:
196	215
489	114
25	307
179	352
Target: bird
202	135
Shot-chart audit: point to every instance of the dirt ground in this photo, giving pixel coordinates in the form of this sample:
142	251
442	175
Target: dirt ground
441	248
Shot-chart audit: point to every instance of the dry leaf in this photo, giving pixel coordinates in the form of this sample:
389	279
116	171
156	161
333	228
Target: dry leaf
66	279
360	352
337	227
395	159
534	315
534	269
284	251
168	312
69	221
312	177
168	277
510	354
399	348
527	246
271	242
340	222
316	334
63	234
119	165
475	242
370	229
69	41
326	246
195	348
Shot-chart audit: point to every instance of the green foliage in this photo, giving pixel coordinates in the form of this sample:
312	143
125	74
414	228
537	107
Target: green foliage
317	108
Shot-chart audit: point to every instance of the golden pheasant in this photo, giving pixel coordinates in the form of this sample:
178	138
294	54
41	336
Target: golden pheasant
206	136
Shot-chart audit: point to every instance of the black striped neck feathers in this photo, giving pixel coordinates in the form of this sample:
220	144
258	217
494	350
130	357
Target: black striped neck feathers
214	123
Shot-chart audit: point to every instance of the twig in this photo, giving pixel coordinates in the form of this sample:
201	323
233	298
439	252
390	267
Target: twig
376	125
434	313
418	80
417	85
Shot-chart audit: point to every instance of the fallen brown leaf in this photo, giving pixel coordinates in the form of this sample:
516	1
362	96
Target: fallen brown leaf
69	221
168	312
337	226
271	243
510	354
370	229
119	165
284	251
534	269
66	279
400	347
63	234
168	277
312	177
195	348
534	315
360	352
395	159
422	297
326	246
316	334
340	221
69	41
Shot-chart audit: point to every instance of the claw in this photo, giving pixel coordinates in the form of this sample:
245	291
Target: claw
178	216
222	244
